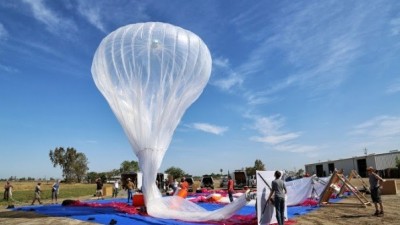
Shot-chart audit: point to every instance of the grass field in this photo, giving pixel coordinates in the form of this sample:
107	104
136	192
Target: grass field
23	192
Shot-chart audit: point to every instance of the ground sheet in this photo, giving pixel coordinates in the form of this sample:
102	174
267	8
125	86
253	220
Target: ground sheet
116	211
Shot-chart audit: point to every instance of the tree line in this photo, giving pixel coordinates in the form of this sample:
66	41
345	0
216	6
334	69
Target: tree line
75	168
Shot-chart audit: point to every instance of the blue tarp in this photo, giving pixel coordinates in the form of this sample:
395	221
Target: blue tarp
103	215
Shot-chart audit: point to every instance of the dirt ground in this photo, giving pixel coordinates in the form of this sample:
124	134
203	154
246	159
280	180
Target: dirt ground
30	218
348	211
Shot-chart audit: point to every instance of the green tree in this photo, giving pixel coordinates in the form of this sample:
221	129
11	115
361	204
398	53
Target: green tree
175	172
112	173
258	165
91	177
79	167
300	173
73	163
129	166
250	171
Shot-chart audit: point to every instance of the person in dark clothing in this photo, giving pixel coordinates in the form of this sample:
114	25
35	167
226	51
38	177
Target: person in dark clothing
99	189
375	185
8	191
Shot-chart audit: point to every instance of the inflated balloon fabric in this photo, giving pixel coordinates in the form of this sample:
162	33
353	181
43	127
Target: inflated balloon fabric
150	73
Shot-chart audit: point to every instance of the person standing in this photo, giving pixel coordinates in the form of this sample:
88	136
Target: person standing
184	184
175	185
115	189
230	188
55	191
99	189
129	187
375	185
8	191
279	189
37	194
5	191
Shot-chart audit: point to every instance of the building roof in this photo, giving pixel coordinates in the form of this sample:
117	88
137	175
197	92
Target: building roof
357	157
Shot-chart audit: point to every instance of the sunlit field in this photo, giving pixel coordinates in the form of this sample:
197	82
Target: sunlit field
23	192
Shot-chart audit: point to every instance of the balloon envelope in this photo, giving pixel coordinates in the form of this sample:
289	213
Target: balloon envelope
150	73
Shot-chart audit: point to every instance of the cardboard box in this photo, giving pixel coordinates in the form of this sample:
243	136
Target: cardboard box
107	191
389	187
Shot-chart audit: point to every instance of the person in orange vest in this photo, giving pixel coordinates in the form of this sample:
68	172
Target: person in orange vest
183	188
230	188
184	184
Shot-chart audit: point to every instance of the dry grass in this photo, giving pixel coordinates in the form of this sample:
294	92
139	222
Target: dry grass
23	192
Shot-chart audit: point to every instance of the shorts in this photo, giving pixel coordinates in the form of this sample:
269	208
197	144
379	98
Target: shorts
54	194
99	192
376	195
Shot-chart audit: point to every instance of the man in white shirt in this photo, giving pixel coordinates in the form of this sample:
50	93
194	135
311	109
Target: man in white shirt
115	189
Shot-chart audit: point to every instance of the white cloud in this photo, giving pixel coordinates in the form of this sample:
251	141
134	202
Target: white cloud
271	132
209	128
258	98
394	87
92	13
276	139
320	51
54	22
320	54
224	77
395	25
8	69
227	83
381	127
377	134
106	14
297	148
3	33
268	125
221	62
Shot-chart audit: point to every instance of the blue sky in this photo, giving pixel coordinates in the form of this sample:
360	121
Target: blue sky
293	82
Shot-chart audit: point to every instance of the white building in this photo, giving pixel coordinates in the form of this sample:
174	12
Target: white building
380	162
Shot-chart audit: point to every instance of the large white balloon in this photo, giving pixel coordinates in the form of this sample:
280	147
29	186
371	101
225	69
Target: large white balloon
150	73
